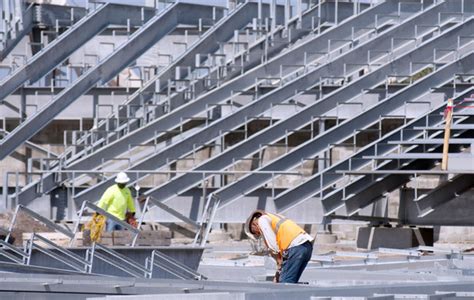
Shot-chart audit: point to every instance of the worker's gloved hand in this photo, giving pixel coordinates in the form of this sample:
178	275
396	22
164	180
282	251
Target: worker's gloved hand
130	219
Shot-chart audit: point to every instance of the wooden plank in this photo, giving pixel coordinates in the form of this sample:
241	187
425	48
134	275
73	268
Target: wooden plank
447	134
55	237
125	237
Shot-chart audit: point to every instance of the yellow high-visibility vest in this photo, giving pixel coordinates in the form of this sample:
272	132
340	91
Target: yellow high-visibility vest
285	230
117	201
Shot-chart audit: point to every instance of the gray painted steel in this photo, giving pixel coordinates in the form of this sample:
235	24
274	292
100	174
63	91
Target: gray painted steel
298	120
444	193
260	105
139	42
76	286
346	129
90	163
243	82
454	212
269	46
26	24
210	42
322	180
67	43
354	195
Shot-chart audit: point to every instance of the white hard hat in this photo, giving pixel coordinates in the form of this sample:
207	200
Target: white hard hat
122	178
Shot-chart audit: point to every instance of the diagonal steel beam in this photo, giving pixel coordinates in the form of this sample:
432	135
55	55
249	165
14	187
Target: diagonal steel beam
369	191
243	82
221	32
320	182
346	129
324	179
268	46
302	118
443	194
139	42
264	103
62	47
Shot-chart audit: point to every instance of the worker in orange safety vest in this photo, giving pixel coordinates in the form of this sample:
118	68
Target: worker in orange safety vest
289	243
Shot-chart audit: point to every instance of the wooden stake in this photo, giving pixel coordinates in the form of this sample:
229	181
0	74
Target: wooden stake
447	134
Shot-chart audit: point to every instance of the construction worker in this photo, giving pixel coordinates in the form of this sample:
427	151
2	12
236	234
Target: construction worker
117	200
289	243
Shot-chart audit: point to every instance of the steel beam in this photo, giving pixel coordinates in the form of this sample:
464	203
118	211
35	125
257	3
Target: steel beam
267	47
374	190
27	25
444	193
269	135
298	120
95	91
465	141
323	179
243	82
371	187
63	46
455	212
265	102
138	43
210	42
346	129
454	127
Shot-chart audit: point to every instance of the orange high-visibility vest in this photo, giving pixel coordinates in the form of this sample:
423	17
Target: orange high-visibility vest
285	230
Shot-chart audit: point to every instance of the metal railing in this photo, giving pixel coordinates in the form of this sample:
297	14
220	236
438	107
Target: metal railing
172	266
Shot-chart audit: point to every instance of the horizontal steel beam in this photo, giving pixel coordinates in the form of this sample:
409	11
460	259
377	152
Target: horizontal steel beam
369	188
95	91
346	129
434	141
298	120
323	179
63	46
421	155
138	43
243	82
259	106
455	126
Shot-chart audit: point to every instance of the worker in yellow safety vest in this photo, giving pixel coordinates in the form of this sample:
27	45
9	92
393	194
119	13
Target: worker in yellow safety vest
287	241
117	200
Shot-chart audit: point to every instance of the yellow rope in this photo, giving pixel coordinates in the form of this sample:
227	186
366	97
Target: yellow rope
96	226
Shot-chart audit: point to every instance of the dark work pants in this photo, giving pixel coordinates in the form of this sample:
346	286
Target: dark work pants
295	260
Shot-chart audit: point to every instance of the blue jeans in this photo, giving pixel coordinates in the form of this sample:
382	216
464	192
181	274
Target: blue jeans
294	262
111	225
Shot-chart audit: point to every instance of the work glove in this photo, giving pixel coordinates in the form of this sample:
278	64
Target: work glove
130	219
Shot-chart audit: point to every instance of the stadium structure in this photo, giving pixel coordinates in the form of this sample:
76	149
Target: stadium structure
326	111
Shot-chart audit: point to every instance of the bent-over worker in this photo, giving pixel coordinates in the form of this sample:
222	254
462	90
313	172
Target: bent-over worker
287	241
117	200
